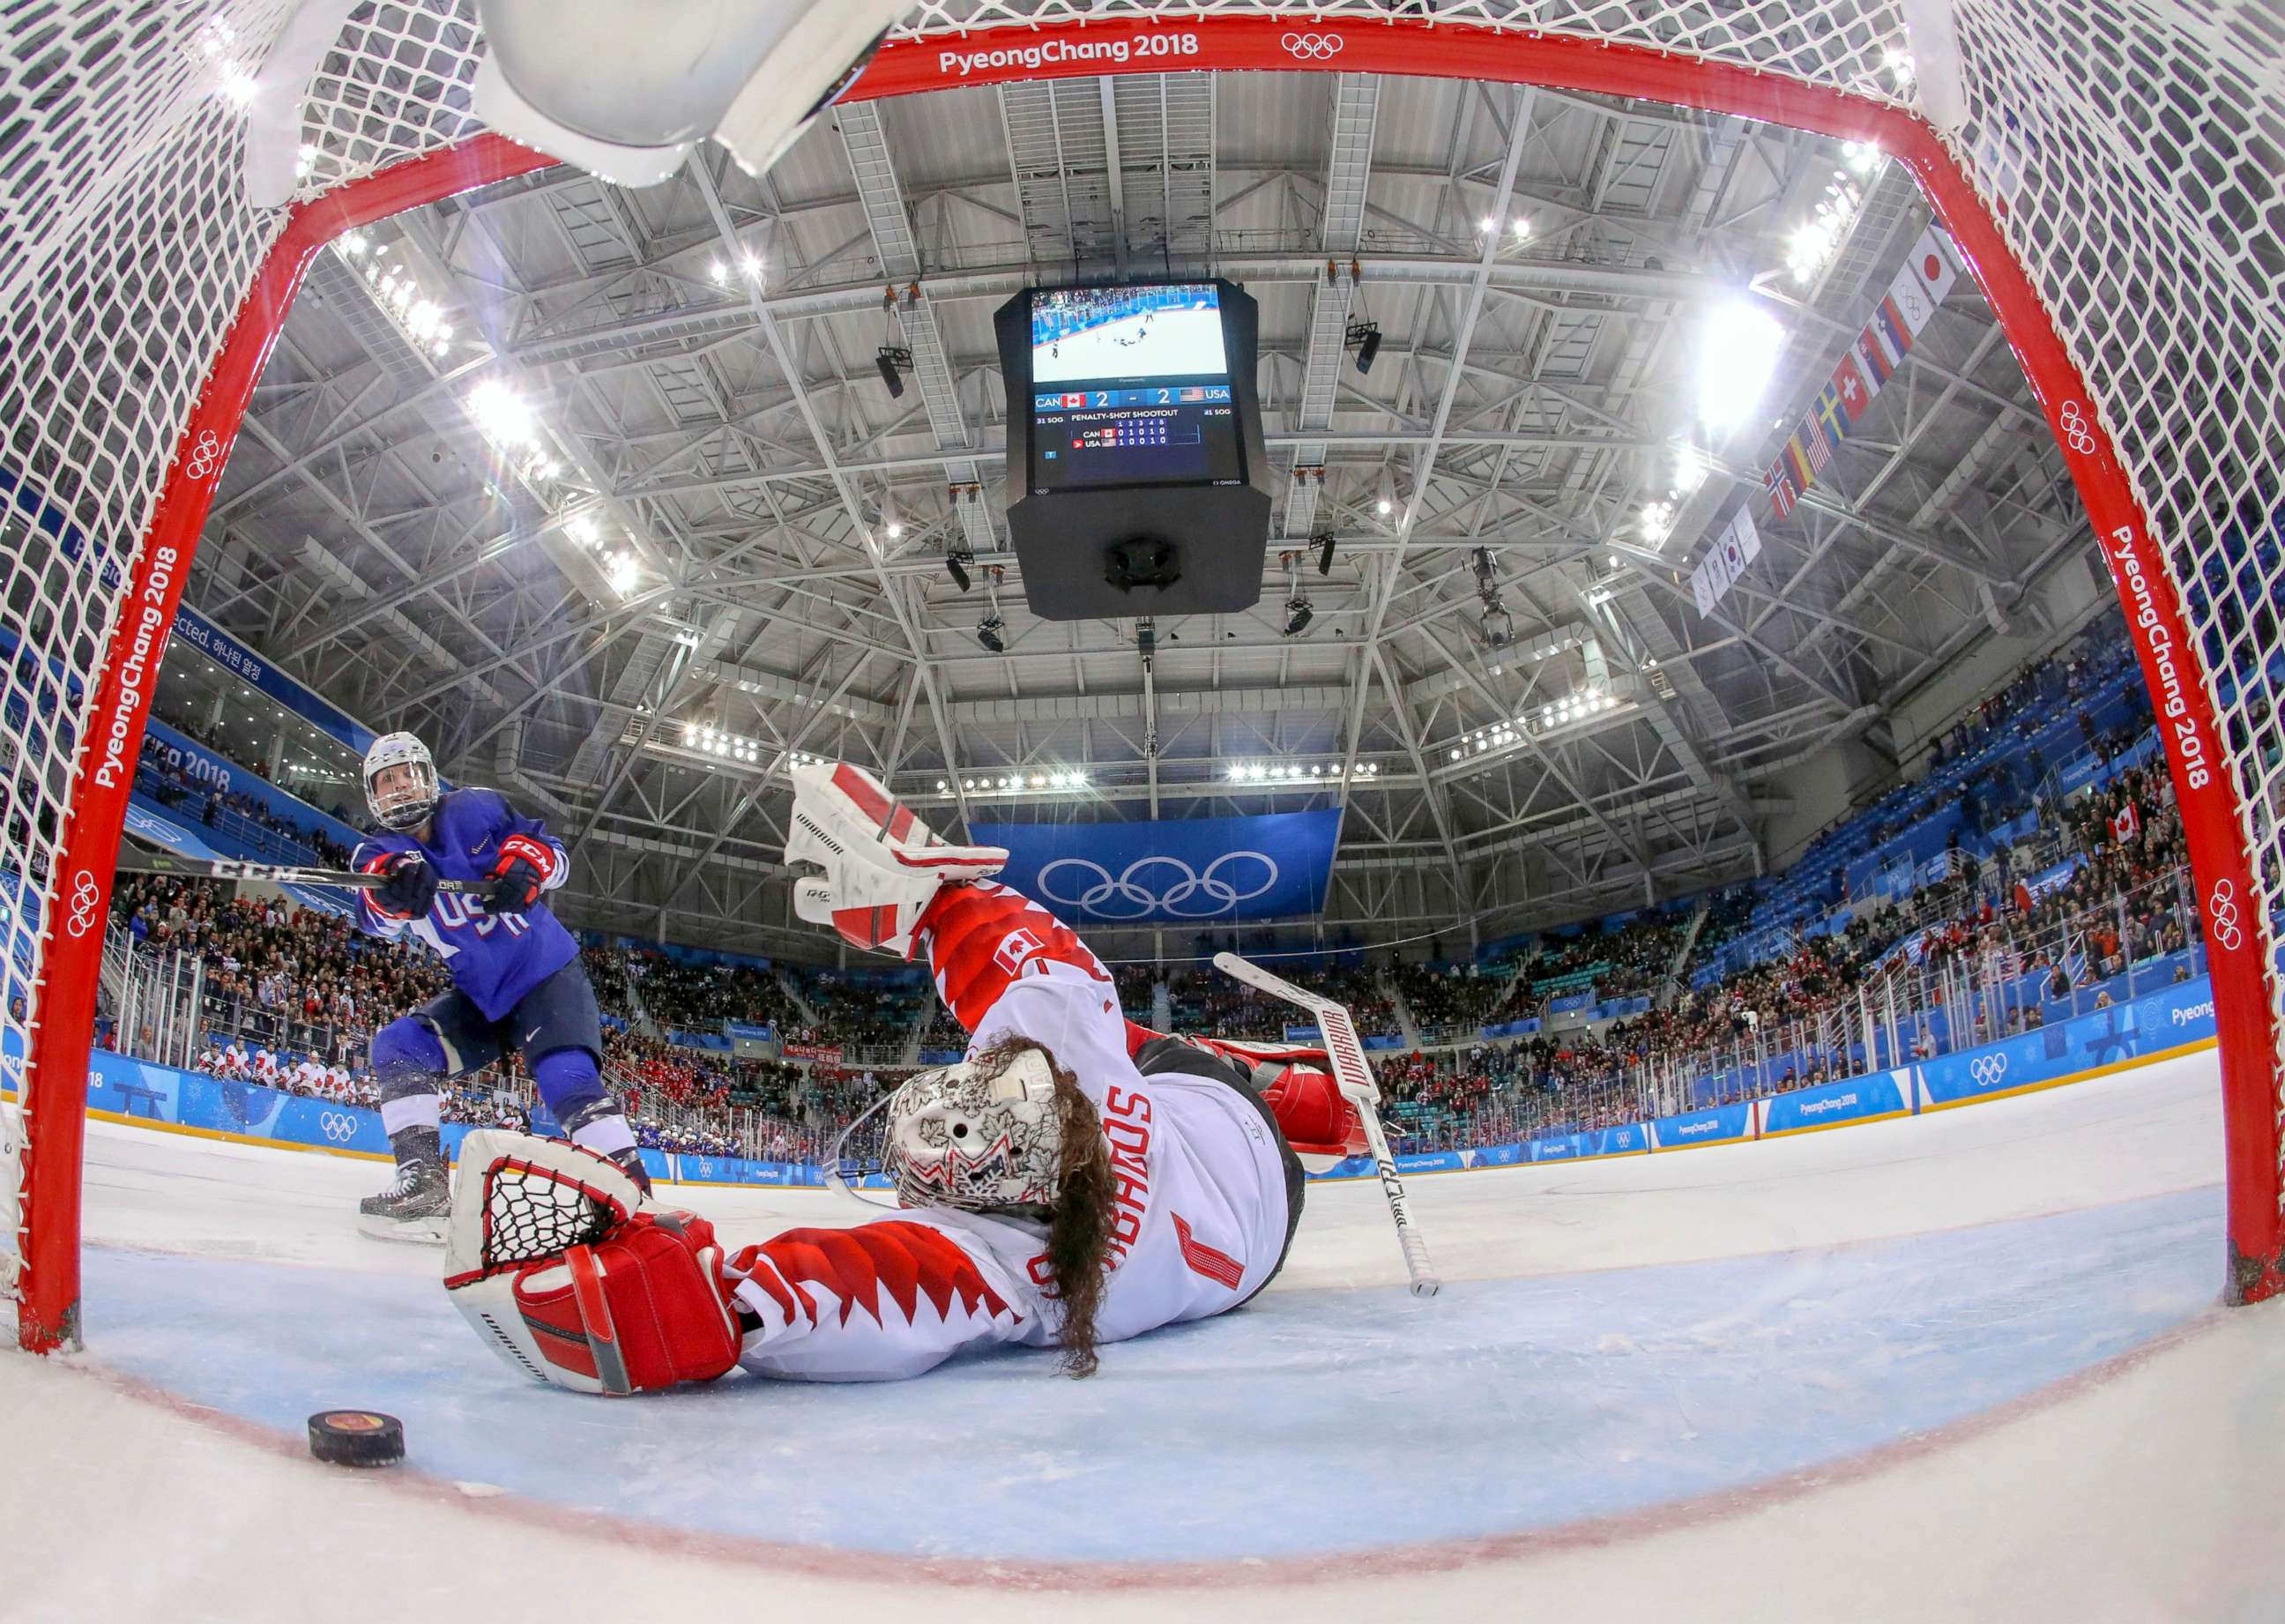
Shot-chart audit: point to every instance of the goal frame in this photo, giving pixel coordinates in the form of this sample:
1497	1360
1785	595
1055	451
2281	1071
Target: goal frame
56	1076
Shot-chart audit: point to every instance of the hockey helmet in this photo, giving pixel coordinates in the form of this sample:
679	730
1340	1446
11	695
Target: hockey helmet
984	1134
405	805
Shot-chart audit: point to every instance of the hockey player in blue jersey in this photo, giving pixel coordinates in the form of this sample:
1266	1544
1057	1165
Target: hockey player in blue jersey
517	982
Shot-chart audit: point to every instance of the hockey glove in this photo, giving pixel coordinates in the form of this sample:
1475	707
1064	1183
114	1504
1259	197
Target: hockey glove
516	885
409	888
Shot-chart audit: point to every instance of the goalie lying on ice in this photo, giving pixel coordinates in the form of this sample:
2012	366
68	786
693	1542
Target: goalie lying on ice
1075	1180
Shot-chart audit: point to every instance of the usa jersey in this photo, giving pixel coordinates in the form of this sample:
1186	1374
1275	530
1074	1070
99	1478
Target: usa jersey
1201	1222
496	961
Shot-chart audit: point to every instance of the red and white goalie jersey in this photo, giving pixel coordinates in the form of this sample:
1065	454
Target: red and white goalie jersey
1201	1216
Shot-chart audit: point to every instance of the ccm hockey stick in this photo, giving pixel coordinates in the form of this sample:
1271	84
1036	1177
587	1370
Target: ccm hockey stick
275	874
1354	1079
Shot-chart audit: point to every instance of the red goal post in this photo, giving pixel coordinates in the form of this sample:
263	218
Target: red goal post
2109	184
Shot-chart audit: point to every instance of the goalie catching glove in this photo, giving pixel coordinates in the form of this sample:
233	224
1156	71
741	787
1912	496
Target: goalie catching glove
568	1271
883	865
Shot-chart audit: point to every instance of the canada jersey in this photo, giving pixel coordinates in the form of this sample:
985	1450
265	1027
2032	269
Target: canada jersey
1201	1222
496	961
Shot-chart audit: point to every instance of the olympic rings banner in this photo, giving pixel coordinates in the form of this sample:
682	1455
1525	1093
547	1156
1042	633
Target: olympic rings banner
1177	871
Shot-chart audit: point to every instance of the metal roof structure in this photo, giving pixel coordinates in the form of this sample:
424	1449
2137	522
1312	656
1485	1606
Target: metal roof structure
614	507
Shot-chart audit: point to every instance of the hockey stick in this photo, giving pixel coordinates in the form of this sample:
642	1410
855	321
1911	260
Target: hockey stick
1354	1079
276	874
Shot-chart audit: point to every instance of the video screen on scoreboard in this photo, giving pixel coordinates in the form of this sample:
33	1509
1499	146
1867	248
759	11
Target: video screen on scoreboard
1131	385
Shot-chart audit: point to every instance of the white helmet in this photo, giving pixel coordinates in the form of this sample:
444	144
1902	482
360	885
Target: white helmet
983	1133
401	809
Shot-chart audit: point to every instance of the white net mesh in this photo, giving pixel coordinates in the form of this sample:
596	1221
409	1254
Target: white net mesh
2131	150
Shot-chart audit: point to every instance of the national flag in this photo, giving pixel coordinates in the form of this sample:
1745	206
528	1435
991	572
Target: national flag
1831	415
1702	590
1875	365
1933	264
1796	455
1812	439
2124	825
1891	331
1856	393
1778	483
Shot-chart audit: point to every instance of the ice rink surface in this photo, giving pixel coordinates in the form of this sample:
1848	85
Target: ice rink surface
1172	343
1964	1366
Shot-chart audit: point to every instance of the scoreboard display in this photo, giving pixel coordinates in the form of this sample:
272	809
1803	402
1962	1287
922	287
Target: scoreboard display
1137	479
1130	386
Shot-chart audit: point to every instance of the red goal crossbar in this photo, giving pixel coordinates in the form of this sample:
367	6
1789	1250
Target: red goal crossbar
2172	665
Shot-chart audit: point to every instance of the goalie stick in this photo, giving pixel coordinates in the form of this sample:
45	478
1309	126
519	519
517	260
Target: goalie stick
1354	1078
275	874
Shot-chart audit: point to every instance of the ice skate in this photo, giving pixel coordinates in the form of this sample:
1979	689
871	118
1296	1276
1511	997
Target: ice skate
417	1206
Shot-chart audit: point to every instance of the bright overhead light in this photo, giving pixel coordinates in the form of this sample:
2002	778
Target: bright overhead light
1489	224
717	272
503	415
1522	227
1690	467
1738	354
622	572
752	266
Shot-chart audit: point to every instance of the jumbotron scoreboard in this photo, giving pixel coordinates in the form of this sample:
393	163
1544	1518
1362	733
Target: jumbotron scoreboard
1137	479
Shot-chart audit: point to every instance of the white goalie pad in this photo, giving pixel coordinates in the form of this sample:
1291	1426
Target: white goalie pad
519	1204
518	1198
753	76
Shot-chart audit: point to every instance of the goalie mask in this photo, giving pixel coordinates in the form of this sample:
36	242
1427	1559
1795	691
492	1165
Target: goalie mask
981	1134
411	796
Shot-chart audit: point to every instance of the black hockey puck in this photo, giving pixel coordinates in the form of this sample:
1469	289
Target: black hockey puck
356	1437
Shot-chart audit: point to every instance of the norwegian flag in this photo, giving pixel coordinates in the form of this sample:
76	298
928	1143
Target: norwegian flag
1779	484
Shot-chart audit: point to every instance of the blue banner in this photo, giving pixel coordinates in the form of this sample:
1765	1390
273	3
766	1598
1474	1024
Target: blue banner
1860	1098
242	663
155	828
1187	869
1721	1124
210	774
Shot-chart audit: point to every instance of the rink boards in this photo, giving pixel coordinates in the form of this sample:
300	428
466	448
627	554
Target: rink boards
2176	1020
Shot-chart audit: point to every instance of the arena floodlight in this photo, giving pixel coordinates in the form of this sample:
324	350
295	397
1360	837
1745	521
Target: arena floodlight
1324	540
993	634
1738	356
1297	615
955	565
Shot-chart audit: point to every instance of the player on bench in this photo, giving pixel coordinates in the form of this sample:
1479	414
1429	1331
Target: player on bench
1075	1180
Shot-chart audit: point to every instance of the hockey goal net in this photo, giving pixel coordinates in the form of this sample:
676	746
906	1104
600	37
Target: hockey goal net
2109	169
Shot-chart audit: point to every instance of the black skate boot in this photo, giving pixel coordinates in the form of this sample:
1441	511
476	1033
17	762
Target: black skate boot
418	1204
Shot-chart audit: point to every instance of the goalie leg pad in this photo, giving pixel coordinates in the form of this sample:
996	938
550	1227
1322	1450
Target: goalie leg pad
643	1310
561	1264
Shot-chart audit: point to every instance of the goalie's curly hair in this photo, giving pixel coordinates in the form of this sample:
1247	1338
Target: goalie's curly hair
1086	1210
